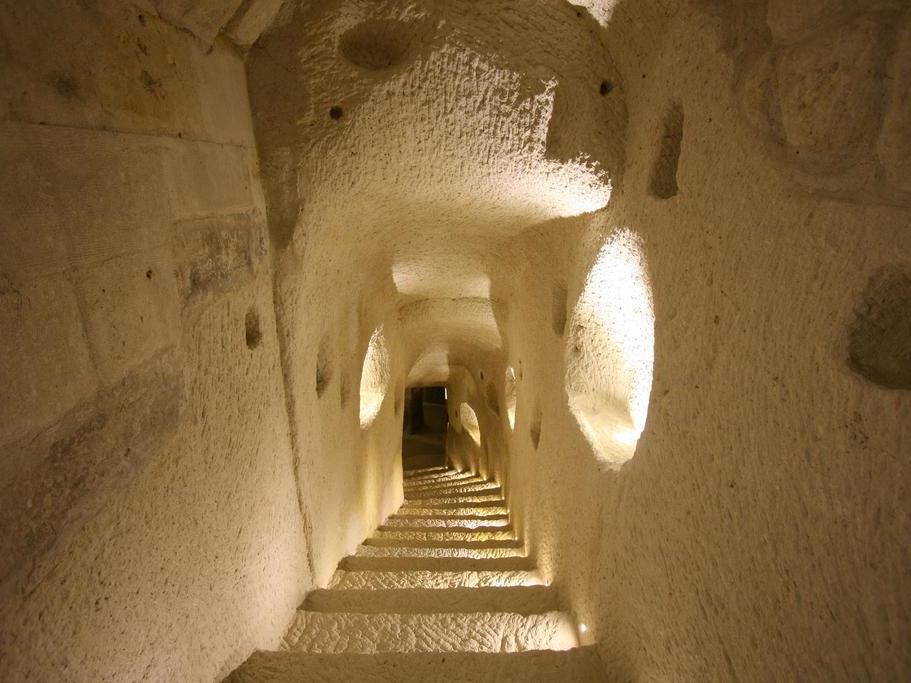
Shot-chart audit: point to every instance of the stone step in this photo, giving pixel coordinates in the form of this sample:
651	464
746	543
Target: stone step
448	494
499	549
435	563
452	477
454	491
433	474
468	486
454	544
319	632
451	523
442	534
443	480
517	599
465	512
481	499
435	468
463	521
384	580
578	665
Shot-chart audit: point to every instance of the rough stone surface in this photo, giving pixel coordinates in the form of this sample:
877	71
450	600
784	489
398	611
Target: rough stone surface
546	666
407	611
144	458
202	18
475	632
443	535
821	87
417	523
189	286
830	95
663	182
378	580
516	599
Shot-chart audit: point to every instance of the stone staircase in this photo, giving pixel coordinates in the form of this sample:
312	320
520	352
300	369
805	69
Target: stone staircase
443	591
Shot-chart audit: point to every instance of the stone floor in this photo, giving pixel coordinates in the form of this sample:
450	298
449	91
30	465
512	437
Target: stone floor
443	591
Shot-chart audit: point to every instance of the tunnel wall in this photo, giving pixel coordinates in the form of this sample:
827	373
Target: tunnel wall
349	472
150	520
757	532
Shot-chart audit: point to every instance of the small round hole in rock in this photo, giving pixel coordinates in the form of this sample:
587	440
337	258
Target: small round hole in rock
606	87
252	332
335	113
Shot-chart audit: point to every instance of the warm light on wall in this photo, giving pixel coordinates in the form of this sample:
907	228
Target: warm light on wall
469	421
610	350
374	378
510	396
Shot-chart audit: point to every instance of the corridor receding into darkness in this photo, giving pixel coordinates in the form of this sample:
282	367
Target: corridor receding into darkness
444	340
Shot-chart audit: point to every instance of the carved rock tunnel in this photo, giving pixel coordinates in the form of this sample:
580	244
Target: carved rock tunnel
656	252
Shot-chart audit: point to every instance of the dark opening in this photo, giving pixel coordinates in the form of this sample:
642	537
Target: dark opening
664	172
424	427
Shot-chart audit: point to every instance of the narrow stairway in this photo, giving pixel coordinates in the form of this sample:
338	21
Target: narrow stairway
443	591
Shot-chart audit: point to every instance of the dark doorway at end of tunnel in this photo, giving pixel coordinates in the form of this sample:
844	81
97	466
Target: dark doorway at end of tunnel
424	427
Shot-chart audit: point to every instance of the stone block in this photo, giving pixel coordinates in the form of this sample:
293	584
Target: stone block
214	253
224	105
208	180
44	358
151	78
33	244
252	20
132	310
71	198
204	19
65	474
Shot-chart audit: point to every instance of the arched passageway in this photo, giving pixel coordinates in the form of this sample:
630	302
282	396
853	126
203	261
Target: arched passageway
655	252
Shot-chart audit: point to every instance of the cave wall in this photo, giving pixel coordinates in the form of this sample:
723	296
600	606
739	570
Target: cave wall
757	531
150	519
183	449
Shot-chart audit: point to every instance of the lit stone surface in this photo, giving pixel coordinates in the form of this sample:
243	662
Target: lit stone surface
455	489
472	632
379	580
207	209
440	560
445	501
542	666
515	599
452	511
405	609
442	535
460	551
446	522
